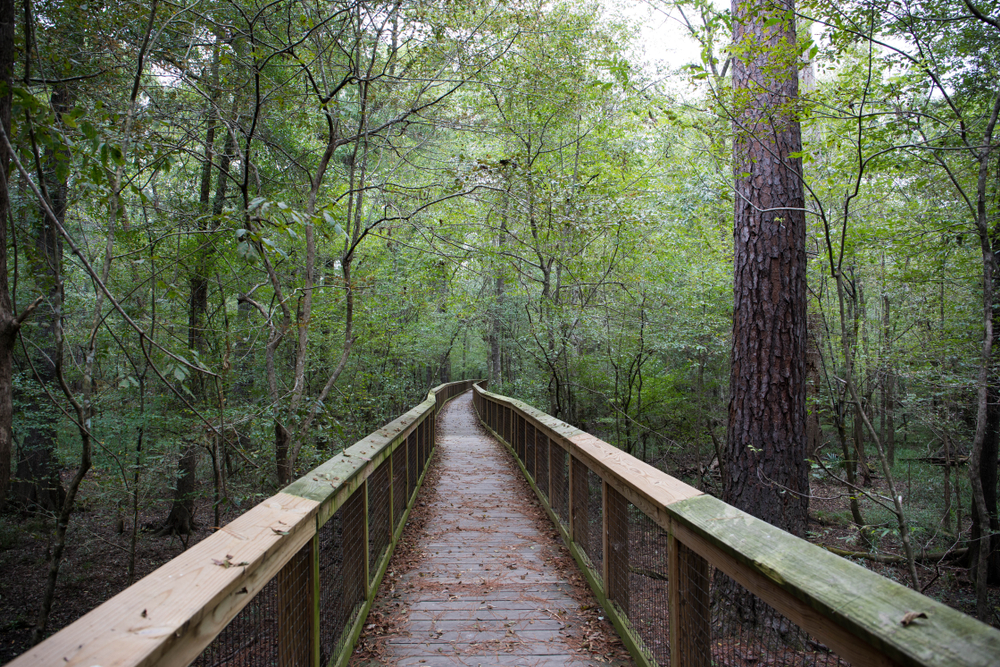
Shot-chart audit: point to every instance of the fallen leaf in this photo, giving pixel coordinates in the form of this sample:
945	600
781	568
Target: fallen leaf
911	616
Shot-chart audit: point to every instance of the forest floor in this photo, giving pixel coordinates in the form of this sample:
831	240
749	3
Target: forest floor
96	563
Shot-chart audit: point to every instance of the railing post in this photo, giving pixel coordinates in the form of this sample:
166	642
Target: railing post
297	609
579	498
690	617
615	546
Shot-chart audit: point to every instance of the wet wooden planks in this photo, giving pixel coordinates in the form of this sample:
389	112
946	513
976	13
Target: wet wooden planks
484	591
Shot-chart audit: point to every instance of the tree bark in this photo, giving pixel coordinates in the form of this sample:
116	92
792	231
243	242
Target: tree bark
766	444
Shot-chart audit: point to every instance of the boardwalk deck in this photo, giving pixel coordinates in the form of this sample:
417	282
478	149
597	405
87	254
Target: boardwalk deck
485	589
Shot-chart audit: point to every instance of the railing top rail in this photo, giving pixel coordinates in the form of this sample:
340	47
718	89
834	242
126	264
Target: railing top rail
643	485
857	612
169	616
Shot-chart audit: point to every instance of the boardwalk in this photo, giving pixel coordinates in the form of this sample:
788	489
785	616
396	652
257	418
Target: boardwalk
484	589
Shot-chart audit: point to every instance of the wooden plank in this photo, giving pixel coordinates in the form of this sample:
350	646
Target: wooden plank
170	616
485	584
851	609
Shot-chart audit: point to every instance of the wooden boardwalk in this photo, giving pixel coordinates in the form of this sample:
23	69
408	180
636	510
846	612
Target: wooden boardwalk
484	589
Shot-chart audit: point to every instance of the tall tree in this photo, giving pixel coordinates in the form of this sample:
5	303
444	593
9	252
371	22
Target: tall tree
10	321
766	439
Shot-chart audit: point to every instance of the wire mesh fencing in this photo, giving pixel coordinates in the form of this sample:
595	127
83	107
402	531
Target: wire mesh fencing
379	516
529	450
251	638
559	475
275	628
398	486
649	596
744	629
542	463
594	546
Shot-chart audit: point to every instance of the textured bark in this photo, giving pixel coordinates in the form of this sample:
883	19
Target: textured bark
814	430
766	438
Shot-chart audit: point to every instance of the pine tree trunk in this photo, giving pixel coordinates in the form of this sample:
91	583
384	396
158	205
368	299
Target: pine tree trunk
768	475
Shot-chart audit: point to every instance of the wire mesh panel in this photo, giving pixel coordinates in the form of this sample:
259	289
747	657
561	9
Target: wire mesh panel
398	485
506	424
522	438
745	629
542	462
616	548
379	516
559	473
276	627
594	545
422	446
647	584
341	573
295	609
693	622
515	435
529	449
251	638
412	471
580	504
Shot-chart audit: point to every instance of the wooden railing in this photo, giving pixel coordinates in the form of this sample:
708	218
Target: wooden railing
288	583
689	580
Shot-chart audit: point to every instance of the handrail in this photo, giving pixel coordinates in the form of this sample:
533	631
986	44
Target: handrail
804	601
289	582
